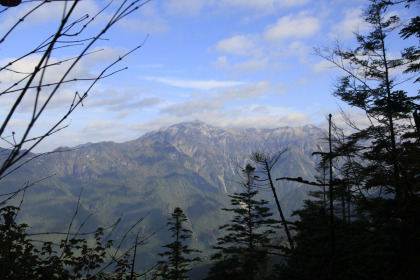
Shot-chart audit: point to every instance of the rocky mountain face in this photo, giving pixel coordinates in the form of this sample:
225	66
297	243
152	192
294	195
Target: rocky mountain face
191	165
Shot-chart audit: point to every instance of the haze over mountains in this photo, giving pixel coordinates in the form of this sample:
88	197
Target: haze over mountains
189	165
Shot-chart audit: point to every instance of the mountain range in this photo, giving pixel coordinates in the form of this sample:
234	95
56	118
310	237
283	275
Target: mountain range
189	165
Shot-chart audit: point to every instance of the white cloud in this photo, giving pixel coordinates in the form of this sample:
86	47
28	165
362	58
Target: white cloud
238	45
148	20
184	7
221	62
155	124
43	14
197	105
58	66
106	101
194	84
45	20
299	49
261	109
123	102
92	131
250	91
84	70
61	101
268	6
103	128
299	26
251	65
216	110
196	7
100	55
140	104
294	119
351	23
301	81
258	116
355	115
322	67
245	66
265	121
21	68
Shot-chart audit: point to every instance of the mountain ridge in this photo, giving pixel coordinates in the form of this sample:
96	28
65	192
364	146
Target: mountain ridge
189	165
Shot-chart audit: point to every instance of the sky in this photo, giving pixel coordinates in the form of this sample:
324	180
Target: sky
228	63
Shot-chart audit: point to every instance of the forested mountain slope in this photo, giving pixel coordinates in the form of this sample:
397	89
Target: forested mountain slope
189	165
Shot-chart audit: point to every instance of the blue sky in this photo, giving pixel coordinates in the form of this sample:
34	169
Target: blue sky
229	63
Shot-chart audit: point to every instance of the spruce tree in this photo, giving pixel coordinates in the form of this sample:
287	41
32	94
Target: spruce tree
370	85
377	236
243	252
176	263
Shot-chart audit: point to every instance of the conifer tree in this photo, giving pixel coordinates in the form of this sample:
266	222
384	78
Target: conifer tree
242	253
377	238
368	84
176	263
412	53
266	162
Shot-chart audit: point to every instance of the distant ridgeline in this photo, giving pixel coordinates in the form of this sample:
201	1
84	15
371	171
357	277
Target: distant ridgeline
189	165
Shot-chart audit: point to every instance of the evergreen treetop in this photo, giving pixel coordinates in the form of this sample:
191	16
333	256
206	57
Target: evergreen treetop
176	262
243	252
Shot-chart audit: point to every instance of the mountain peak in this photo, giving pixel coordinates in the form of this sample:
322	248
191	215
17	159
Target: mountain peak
195	126
198	129
191	164
195	123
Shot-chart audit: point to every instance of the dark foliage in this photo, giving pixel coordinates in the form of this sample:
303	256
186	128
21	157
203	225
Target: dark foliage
72	258
177	262
376	186
245	250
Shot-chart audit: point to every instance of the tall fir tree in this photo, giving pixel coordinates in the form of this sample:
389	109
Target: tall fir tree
176	262
370	86
376	233
243	252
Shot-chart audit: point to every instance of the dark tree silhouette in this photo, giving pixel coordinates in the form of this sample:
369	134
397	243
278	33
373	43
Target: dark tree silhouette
244	251
266	163
370	85
377	167
177	263
74	257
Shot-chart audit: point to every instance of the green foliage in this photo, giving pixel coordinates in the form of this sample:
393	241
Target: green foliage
244	251
177	262
73	258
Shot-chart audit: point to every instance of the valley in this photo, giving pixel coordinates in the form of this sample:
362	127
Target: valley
189	165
